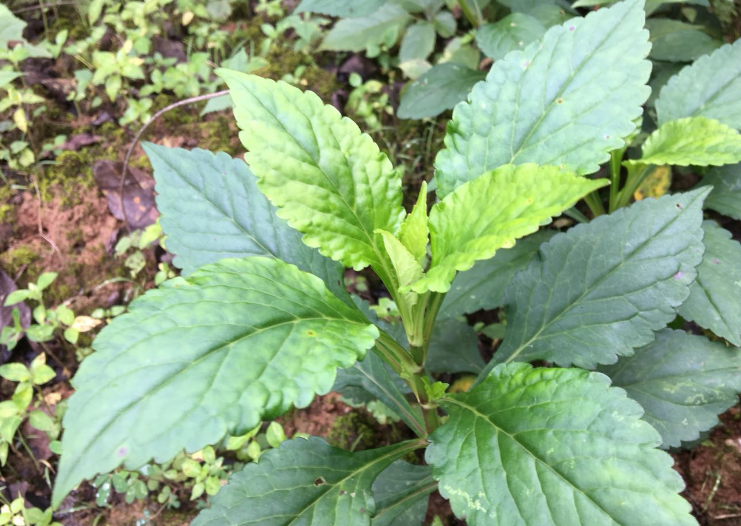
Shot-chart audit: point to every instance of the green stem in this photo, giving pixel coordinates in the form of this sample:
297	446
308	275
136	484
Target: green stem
616	159
473	18
396	356
594	201
634	180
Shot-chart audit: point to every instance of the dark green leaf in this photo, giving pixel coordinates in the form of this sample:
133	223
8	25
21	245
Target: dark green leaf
682	381
439	89
715	296
725	198
556	447
340	8
306	482
454	348
483	286
602	289
514	31
401	493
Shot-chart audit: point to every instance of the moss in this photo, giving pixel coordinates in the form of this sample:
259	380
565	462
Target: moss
6	209
352	431
15	259
219	135
72	172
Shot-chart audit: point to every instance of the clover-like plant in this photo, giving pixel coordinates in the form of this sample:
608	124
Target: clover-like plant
261	321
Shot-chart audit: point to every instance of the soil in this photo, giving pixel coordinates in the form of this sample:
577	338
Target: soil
712	472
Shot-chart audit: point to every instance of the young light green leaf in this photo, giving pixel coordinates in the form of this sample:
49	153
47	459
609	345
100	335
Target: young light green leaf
725	198
676	41
238	342
401	494
482	287
715	296
415	233
356	34
695	141
327	179
439	89
601	289
554	102
530	447
212	209
682	382
492	212
418	42
406	267
512	32
340	8
708	88
304	482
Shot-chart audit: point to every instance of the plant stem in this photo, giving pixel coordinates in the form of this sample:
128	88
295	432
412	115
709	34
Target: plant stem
594	201
473	18
616	158
634	180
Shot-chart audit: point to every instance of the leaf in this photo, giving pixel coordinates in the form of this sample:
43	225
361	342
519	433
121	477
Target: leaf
530	447
406	267
675	41
418	42
512	32
695	141
555	102
340	8
415	233
401	494
682	381
212	209
239	342
482	287
708	88
439	89
715	296
304	482
602	289
138	193
356	34
327	179
655	184
493	211
374	377
454	348
725	197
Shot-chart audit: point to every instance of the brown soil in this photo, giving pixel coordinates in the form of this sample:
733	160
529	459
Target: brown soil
712	472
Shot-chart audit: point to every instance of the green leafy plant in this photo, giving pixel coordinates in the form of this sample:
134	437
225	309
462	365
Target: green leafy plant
13	412
260	320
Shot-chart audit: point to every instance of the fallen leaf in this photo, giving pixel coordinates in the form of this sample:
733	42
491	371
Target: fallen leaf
138	193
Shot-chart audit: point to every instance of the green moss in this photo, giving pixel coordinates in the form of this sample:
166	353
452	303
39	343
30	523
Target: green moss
6	209
15	259
71	173
352	431
219	135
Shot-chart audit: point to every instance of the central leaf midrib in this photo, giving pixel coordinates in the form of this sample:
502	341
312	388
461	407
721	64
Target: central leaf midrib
498	429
